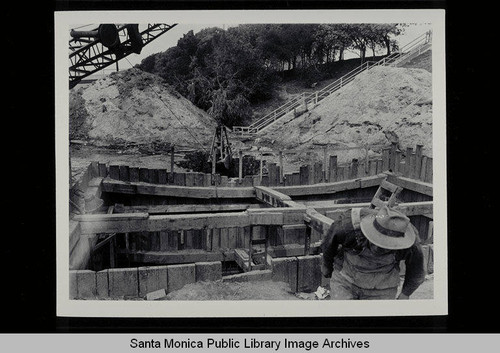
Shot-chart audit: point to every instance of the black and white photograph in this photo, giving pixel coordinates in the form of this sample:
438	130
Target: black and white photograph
266	163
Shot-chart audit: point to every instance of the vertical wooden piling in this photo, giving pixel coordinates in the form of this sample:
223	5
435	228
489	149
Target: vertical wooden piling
272	173
354	169
332	169
240	165
397	162
261	167
325	164
408	166
392	157
418	161
281	167
304	175
213	161
385	159
172	151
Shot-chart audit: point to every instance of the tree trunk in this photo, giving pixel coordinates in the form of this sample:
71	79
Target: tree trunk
362	54
388	45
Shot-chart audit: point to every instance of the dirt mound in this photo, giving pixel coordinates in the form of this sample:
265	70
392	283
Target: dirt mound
257	290
134	107
382	105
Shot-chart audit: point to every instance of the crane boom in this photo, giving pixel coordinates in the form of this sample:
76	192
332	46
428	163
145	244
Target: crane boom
92	51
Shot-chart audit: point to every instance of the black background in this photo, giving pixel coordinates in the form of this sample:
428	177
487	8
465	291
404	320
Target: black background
28	240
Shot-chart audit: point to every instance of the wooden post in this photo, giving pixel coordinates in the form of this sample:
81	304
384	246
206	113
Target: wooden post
318	172
240	165
367	161
397	162
281	167
418	161
307	241
325	165
214	162
272	173
385	159
408	166
172	150
423	168
354	169
411	163
332	168
392	157
261	167
304	175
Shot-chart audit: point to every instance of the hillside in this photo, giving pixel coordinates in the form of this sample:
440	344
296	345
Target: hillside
382	105
132	107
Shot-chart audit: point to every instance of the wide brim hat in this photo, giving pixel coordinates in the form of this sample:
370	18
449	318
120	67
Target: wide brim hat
388	229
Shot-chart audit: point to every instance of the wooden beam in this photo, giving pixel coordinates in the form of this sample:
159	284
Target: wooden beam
139	222
172	209
289	250
411	184
423	208
331	188
317	221
198	192
270	196
178	257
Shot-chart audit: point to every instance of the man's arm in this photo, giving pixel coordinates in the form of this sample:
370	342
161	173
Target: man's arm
415	273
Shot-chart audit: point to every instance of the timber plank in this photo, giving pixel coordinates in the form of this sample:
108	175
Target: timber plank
136	222
411	184
176	190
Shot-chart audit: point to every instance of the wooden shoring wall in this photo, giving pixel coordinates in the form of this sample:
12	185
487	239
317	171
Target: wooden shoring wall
409	163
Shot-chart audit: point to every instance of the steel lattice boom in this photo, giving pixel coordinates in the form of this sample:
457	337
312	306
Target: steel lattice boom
91	51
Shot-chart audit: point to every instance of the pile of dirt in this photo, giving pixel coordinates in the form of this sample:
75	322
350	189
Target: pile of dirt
219	290
134	107
380	106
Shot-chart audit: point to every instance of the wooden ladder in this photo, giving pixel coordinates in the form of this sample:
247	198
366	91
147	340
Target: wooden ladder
386	195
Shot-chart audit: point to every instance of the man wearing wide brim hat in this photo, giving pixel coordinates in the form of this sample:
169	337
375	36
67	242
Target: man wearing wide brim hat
362	252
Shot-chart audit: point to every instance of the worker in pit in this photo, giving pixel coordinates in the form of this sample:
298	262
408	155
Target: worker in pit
362	252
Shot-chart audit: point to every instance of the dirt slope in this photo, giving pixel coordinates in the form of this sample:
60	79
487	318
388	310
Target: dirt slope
134	107
382	105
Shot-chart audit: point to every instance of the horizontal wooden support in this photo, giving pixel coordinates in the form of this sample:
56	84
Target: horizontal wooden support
422	208
266	218
173	209
290	215
331	188
178	257
271	197
317	221
289	250
411	184
196	192
137	222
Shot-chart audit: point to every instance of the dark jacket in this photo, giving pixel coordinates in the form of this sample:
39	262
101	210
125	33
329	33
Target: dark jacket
343	241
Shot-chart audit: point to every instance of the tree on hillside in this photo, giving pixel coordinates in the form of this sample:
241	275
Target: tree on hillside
225	71
381	34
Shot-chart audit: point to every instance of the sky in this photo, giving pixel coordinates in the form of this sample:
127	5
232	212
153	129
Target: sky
170	38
